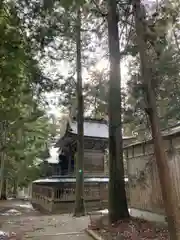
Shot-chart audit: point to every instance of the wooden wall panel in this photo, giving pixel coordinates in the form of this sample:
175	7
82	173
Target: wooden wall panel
93	161
148	196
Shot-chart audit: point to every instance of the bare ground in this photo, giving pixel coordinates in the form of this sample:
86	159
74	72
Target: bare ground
19	217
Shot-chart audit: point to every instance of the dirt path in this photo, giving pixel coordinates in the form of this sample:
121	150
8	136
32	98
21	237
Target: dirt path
30	224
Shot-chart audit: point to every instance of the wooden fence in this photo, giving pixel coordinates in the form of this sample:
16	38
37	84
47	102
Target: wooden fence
144	186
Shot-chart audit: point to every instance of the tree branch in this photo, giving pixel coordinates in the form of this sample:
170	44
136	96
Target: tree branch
98	9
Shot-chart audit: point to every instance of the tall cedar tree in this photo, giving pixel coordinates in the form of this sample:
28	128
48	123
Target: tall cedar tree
79	202
171	206
118	208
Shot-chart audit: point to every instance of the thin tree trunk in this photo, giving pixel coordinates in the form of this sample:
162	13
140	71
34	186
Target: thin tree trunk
79	202
170	201
2	173
3	156
14	188
4	190
176	40
118	208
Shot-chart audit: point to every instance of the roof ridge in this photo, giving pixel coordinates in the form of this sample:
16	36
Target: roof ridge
170	127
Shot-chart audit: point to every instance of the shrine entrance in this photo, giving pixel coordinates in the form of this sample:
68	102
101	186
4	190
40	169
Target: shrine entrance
66	164
63	162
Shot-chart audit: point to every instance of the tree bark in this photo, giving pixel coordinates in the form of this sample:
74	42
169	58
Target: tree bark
2	174
79	202
4	191
3	156
118	208
14	188
170	201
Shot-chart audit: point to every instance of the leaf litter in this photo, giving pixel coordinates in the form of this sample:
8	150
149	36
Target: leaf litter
133	228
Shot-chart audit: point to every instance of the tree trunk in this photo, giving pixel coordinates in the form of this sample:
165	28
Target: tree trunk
3	156
2	173
176	40
170	201
118	208
14	188
79	202
4	191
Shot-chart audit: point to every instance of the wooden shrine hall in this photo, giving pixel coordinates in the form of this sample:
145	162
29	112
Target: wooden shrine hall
57	192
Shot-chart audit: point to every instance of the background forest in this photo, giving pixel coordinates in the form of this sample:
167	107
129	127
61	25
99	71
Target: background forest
38	75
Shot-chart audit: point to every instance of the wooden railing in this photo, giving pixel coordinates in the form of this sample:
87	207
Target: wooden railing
68	193
43	196
52	198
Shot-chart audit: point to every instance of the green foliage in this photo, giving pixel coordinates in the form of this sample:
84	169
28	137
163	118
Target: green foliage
30	143
97	94
166	85
69	3
25	128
